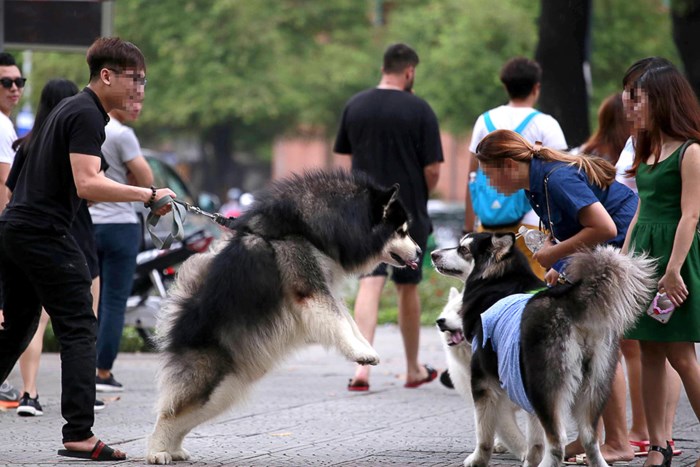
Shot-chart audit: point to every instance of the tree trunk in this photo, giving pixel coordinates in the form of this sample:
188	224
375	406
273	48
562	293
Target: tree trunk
685	16
561	51
219	169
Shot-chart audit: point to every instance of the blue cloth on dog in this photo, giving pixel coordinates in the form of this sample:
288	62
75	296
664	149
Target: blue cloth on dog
501	324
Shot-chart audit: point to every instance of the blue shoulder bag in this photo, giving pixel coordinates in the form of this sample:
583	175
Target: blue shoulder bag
493	208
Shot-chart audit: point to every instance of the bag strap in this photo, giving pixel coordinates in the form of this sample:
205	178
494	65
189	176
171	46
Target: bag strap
546	195
489	123
684	146
520	128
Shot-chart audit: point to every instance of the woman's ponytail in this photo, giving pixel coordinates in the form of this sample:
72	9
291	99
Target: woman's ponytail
506	144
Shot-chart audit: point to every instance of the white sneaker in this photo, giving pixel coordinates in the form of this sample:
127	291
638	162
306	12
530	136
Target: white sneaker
99	405
29	407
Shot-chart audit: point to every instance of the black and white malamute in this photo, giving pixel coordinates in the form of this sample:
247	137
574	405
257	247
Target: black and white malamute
458	353
238	311
563	340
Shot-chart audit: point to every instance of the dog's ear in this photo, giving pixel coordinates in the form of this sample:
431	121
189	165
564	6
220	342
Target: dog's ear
385	196
388	206
393	195
453	294
502	244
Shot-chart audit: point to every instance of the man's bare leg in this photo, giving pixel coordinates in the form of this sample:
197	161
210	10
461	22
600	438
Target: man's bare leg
366	311
409	324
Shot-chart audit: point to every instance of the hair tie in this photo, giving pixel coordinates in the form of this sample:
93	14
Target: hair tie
536	148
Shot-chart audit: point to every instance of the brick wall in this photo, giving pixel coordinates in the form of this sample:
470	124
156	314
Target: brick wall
296	154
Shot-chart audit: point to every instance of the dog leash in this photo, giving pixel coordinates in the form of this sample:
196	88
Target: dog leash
179	211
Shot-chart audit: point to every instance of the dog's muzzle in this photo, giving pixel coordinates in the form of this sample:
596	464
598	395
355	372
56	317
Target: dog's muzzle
456	335
411	263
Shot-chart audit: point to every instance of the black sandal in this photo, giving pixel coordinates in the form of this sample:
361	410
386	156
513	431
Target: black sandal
667	453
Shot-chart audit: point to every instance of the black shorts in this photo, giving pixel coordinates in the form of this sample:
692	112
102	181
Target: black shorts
399	275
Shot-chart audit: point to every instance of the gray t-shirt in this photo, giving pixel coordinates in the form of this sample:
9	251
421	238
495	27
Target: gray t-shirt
120	147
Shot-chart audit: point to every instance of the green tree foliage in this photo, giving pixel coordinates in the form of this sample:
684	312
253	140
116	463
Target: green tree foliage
462	45
252	69
248	60
49	65
623	32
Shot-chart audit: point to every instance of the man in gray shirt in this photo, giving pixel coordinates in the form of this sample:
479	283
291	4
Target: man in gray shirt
118	237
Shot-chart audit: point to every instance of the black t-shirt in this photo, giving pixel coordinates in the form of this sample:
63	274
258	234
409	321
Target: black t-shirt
392	135
45	195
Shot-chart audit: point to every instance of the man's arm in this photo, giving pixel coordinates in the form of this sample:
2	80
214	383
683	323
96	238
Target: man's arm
91	184
140	171
432	175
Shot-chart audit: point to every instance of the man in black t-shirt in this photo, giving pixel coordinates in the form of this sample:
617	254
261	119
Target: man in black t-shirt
393	136
39	259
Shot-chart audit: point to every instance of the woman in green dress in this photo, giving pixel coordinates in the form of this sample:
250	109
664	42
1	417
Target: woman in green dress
665	113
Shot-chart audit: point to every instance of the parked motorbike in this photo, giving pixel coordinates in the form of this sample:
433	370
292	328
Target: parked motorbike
155	272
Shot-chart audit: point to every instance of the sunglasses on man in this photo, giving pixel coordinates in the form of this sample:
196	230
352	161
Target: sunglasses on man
8	82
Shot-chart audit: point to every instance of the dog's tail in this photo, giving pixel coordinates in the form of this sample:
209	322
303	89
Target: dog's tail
618	287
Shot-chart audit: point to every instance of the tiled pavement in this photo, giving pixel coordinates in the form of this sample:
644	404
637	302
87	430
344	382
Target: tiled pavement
299	415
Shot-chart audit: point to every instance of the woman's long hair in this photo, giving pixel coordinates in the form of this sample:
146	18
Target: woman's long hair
54	91
673	108
612	133
506	144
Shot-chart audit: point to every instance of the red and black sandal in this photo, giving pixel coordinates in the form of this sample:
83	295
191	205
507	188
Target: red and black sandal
432	374
358	387
101	452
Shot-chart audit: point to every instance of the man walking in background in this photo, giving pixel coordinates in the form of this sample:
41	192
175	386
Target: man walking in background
118	237
394	137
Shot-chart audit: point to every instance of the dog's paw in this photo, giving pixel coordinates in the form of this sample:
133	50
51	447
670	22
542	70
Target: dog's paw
365	356
161	458
475	460
499	447
180	455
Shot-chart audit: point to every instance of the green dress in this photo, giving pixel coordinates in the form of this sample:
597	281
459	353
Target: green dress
660	197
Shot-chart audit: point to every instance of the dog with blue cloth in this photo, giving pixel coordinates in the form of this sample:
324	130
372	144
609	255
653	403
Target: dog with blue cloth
551	350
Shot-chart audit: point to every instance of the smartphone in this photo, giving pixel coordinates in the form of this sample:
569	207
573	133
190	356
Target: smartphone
661	308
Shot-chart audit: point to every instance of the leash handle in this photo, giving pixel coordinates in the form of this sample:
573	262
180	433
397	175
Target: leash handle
177	232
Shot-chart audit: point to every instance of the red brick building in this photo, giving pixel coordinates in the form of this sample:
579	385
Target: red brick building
296	154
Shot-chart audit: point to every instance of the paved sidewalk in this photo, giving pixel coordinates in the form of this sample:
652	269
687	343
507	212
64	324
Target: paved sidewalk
299	415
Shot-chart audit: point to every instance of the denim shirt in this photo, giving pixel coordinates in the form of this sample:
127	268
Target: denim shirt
569	192
501	325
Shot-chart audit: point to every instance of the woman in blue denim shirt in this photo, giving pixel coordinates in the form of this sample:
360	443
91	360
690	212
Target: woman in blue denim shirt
576	197
581	204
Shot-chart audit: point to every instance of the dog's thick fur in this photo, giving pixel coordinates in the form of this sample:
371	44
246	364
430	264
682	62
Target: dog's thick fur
458	352
237	312
569	340
509	437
